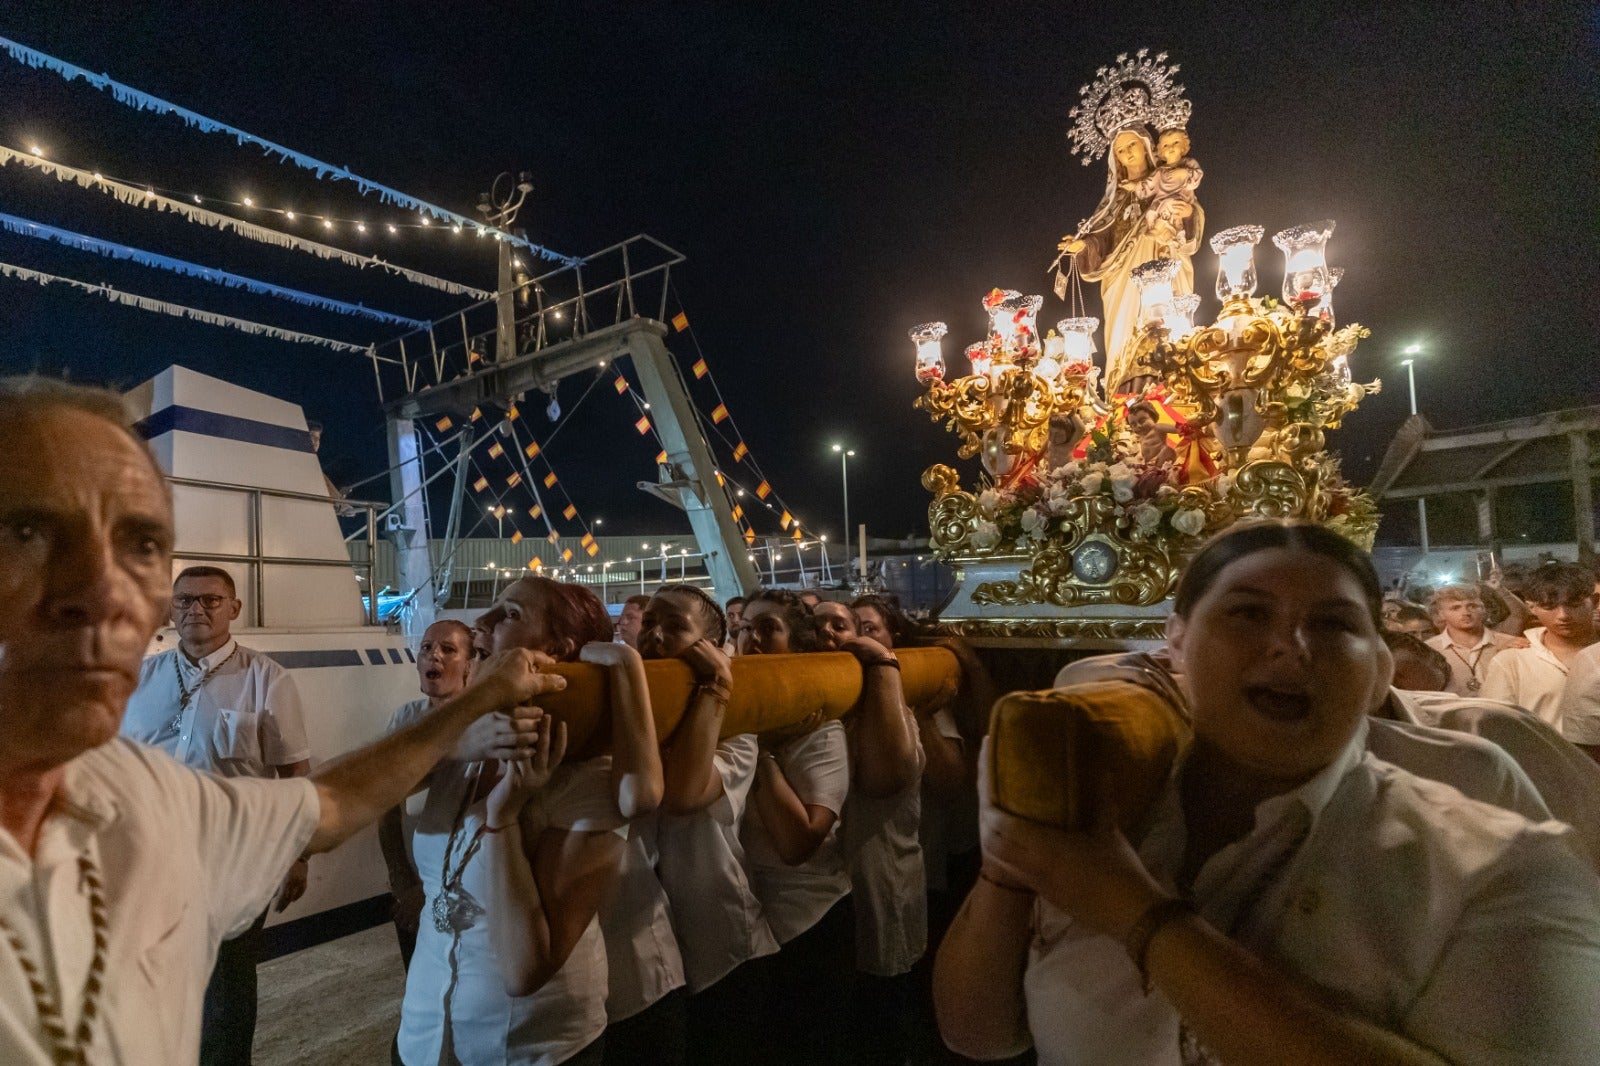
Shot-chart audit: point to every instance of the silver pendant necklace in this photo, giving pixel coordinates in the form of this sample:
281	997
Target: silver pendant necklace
185	694
454	908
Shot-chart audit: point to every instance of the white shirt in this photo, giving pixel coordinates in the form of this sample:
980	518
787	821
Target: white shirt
1461	926
704	870
1579	712
1477	768
642	959
888	883
1568	780
794	898
466	1013
1469	663
242	722
1531	678
185	860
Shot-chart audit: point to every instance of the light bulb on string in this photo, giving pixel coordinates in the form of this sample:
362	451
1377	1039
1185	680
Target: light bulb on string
197	198
289	215
553	411
327	223
426	221
249	202
361	227
392	228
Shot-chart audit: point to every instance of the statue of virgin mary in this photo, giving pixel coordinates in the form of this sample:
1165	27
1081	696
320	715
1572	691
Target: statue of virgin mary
1122	113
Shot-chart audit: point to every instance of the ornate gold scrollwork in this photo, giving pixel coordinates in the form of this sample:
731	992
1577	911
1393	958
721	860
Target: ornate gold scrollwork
1117	629
1016	402
1144	574
1271	489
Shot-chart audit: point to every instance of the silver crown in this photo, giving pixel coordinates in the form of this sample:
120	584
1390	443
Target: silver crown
1134	91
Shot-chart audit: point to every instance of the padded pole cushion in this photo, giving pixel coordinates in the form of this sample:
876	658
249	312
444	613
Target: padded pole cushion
769	692
1051	753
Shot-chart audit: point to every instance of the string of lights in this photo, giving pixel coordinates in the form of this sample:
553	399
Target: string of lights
142	101
147	197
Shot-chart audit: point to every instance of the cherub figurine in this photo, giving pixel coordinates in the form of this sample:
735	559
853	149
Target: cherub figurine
1146	423
1168	191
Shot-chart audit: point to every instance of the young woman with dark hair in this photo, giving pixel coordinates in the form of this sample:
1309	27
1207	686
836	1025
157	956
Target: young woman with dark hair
1291	898
791	840
720	928
516	857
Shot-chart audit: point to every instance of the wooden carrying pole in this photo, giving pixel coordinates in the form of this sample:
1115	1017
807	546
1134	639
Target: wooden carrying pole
769	692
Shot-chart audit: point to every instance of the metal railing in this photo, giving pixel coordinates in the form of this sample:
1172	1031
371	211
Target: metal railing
599	290
258	560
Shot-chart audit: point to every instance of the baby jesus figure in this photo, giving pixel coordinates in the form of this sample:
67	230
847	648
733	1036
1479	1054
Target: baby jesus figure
1146	423
1168	191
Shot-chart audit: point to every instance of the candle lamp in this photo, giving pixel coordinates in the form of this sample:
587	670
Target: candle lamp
928	339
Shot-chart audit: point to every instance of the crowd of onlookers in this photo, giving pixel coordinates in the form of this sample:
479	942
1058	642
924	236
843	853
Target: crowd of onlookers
1529	636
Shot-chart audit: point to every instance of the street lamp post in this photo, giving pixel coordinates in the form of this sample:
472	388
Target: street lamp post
1411	351
844	478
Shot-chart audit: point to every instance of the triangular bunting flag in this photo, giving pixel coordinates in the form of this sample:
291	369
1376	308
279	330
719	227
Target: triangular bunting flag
740	451
587	539
593	550
700	368
796	532
443	424
738	512
535	511
554	537
550	479
680	321
532	449
495	451
513	413
569	512
516	537
661	457
643	425
566	555
621	384
477	413
536	563
719	412
480	484
763	490
749	536
786	519
514	480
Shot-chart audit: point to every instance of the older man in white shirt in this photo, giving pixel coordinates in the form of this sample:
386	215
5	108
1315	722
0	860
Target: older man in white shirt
215	705
121	870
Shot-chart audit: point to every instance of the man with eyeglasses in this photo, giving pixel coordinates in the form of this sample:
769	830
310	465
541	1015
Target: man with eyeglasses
215	705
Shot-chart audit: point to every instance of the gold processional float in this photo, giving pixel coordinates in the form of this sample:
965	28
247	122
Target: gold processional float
1097	488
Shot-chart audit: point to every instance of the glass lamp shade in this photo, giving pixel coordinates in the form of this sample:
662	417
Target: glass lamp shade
1154	279
930	351
1013	317
981	357
1077	335
1180	319
1236	261
1305	265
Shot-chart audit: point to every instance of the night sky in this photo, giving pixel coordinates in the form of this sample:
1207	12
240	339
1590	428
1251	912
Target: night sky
835	175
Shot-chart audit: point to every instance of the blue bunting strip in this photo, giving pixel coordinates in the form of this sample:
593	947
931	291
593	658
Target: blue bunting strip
112	250
128	194
210	318
141	101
